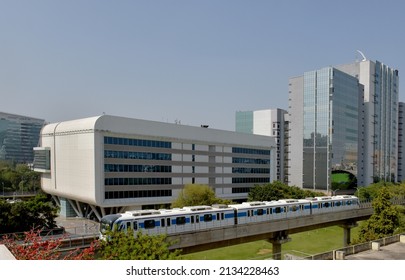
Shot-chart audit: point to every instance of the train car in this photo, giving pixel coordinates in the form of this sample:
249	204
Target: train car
294	207
170	221
197	218
250	212
325	204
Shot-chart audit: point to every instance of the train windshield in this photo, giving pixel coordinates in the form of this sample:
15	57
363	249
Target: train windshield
107	222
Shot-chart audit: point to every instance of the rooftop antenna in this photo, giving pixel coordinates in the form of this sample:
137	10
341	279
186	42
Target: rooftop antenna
362	54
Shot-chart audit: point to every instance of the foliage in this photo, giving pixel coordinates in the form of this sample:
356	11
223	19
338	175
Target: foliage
278	190
384	221
371	192
196	194
123	245
35	247
21	216
18	178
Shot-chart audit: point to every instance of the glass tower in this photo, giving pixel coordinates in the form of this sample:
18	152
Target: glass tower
331	101
18	136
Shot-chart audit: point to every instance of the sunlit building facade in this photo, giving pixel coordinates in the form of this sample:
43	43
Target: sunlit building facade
325	109
381	97
108	164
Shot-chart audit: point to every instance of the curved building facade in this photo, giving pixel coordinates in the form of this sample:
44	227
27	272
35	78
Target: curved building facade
109	164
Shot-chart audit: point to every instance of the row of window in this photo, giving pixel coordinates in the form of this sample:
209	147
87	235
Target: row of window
137	142
241	190
137	155
137	181
250	151
137	194
250	160
250	170
250	180
136	168
182	220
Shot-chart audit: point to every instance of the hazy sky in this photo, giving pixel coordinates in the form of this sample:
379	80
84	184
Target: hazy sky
197	62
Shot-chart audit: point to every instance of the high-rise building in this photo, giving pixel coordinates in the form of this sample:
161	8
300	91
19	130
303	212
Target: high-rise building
18	136
381	89
269	122
325	107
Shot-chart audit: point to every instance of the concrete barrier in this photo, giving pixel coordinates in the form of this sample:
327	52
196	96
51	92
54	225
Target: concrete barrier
340	255
375	246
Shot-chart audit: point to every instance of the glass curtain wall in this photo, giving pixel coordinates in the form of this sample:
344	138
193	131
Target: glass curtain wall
331	100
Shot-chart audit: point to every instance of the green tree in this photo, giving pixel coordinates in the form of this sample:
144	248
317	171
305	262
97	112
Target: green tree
21	216
123	245
196	194
278	190
20	177
384	221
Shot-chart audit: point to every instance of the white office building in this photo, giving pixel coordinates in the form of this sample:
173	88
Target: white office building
108	164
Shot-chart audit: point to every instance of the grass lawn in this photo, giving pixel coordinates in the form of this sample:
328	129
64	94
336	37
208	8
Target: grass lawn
304	243
340	177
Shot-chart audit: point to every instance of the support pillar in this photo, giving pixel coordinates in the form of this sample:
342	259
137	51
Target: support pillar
346	232
279	238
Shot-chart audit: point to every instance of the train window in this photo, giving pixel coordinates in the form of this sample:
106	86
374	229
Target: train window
135	225
180	220
248	213
268	211
277	210
222	216
259	212
349	202
197	219
168	222
207	217
162	222
338	203
128	225
217	216
149	224
326	204
294	208
271	211
192	219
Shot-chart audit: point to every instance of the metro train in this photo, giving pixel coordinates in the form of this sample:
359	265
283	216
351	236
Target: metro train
198	218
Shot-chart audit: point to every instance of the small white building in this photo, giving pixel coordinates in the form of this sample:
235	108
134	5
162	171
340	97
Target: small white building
108	164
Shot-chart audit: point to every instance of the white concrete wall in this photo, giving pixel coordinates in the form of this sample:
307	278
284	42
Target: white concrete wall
296	115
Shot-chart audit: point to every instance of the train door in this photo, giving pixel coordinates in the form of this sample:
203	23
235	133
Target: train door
195	222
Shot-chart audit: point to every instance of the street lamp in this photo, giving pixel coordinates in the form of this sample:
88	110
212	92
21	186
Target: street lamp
358	191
